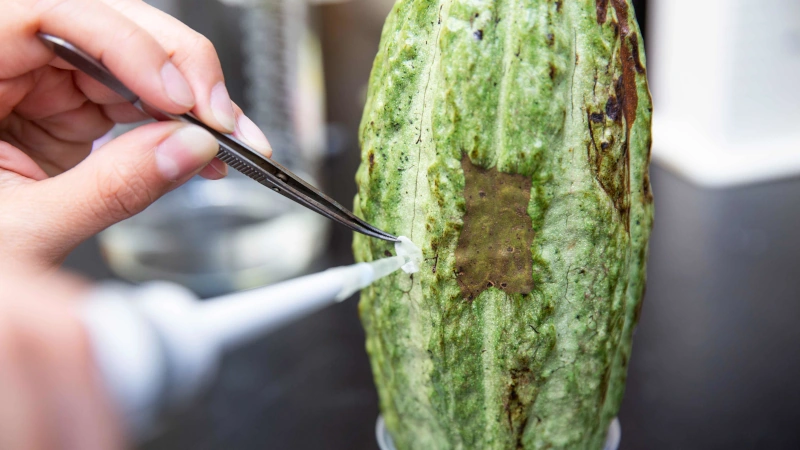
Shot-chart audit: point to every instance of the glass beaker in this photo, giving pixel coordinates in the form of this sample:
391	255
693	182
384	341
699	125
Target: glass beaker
219	236
216	237
384	439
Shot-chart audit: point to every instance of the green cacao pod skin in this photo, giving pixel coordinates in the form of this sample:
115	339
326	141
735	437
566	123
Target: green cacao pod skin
510	140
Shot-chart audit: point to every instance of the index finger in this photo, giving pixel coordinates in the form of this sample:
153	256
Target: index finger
126	49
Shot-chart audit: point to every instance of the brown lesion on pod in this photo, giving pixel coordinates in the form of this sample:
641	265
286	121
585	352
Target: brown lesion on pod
611	163
494	244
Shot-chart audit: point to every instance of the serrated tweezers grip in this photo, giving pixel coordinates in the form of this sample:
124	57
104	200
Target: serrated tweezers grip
232	151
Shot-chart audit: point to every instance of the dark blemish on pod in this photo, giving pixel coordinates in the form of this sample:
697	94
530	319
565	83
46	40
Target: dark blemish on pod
613	109
387	253
597	117
646	190
552	72
614	27
621	8
602	11
478	35
634	43
551	39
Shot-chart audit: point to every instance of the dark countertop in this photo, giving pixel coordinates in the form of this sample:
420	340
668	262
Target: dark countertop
714	365
717	354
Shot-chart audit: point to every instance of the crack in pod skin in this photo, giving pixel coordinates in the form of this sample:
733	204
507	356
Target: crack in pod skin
554	92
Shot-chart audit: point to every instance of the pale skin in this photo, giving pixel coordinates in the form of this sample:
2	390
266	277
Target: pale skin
55	192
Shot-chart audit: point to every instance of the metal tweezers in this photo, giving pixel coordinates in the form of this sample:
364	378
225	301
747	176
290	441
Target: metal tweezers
235	153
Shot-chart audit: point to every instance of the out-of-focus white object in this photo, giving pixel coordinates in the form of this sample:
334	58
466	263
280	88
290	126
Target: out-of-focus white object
724	80
157	347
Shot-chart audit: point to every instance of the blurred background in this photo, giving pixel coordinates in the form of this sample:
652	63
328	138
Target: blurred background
717	354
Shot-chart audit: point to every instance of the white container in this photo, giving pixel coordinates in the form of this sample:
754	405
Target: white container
385	440
724	80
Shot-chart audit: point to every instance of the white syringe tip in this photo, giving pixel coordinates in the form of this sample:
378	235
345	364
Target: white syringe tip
358	276
354	278
410	253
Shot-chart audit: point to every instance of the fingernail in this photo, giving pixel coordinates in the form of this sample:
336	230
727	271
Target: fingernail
219	167
185	151
175	84
247	130
222	107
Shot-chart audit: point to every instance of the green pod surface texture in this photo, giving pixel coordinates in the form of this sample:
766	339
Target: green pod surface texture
510	140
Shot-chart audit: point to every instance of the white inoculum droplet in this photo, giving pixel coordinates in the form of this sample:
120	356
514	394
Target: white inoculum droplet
410	253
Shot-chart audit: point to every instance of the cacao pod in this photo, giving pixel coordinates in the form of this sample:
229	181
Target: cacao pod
510	140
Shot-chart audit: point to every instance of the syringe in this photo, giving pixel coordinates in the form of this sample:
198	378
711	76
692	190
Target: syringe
157	347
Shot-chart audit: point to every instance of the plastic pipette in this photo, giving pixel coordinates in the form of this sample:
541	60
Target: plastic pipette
157	347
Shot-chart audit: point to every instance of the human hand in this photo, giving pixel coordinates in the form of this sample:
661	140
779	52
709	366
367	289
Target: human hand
52	394
53	193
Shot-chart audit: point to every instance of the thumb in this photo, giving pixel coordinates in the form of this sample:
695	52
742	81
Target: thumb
122	178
